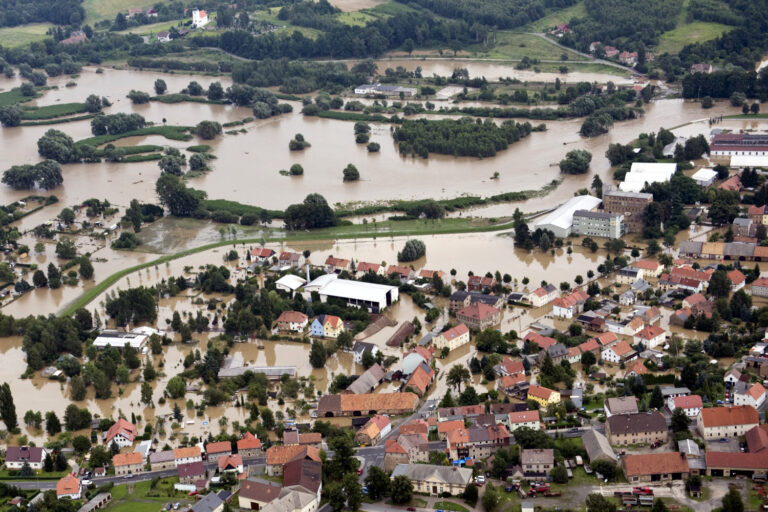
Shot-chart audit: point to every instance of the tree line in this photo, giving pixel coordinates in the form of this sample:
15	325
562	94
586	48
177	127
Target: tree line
463	137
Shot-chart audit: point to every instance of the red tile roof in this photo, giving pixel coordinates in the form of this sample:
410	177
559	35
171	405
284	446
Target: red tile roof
220	447
186	453
392	446
606	338
729	416
69	484
447	426
523	417
638	368
757	438
540	392
414	427
455	332
122	427
262	252
650	332
248	442
512	366
655	463
336	262
230	462
736	460
127	459
478	311
365	267
544	342
421	378
689	402
509	381
282	454
736	276
646	264
756	391
622	348
292	317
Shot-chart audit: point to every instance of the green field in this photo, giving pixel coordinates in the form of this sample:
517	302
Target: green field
52	111
154	28
356	18
169	132
97	10
11	37
557	17
515	46
695	32
14	96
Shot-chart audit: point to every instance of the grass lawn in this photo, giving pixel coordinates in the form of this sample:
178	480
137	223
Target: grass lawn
448	505
154	28
695	32
594	402
14	96
557	17
356	18
10	37
125	499
97	10
169	132
51	111
511	45
415	502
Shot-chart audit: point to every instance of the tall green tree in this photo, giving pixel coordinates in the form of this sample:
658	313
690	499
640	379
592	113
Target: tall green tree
657	399
7	407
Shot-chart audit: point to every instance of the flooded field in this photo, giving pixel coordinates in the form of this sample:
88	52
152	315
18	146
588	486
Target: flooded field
248	164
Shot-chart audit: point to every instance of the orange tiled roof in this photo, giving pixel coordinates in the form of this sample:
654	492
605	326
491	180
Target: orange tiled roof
127	459
447	426
650	332
655	463
646	264
756	391
186	453
523	417
230	461
621	348
392	446
220	447
638	368
248	442
508	381
729	416
540	392
478	311
282	454
69	484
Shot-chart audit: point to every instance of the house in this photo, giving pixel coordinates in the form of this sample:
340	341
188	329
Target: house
476	442
735	464
191	472
637	368
292	321
726	422
444	427
336	265
313	439
255	495
691	404
641	428
574	355
360	348
651	336
290	259
261	254
650	315
304	475
680	316
694	301
655	467
420	379
211	502
328	326
278	456
591	345
459	413
17	456
543	395
510	367
543	342
753	395
628	275
557	352
738	279
570	305
163	36
480	283
199	18
620	405
627	298
597	446
187	455
634	326
671	392
69	487
416	426
701	68
543	296
230	464
122	433
760	287
453	338
249	446
757	439
479	316
529	419
372	432
732	376
128	463
219	449
430	274
401	271
368	381
435	480
160	461
648	268
618	353
407	449
363	268
537	463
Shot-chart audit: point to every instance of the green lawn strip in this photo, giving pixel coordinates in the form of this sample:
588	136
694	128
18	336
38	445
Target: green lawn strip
21	35
743	116
380	229
14	96
52	111
54	475
512	45
180	98
353	116
61	120
237	123
169	132
448	505
141	158
200	148
415	502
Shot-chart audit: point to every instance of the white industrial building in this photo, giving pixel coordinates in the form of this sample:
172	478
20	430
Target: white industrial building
749	161
560	221
371	296
704	177
646	172
290	283
137	338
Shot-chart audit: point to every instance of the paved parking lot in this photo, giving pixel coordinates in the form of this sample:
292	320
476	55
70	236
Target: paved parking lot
716	446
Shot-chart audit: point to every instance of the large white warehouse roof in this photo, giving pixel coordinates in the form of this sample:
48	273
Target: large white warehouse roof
562	217
646	172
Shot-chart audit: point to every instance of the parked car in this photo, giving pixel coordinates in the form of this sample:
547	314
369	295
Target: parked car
723	439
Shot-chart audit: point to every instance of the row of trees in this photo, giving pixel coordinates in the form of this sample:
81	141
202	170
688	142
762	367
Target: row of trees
45	175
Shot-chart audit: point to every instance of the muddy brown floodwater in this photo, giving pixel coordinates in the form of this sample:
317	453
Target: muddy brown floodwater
247	170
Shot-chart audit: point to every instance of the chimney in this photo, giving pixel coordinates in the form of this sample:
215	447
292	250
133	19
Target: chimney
307	268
